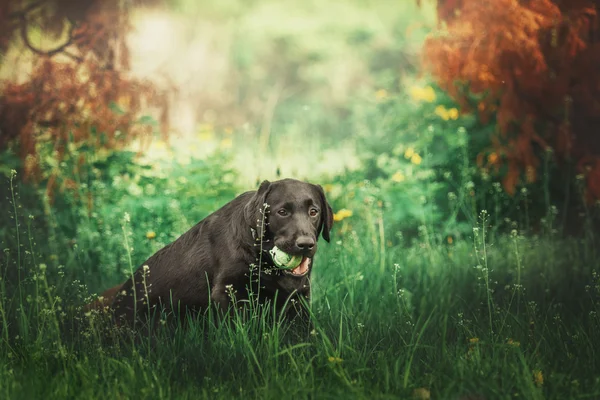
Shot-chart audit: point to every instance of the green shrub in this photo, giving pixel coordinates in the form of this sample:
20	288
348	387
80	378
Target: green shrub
419	164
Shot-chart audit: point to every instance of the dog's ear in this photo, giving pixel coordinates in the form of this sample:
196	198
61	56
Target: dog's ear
254	209
326	215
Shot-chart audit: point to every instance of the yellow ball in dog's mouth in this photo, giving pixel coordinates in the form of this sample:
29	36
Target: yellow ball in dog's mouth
283	260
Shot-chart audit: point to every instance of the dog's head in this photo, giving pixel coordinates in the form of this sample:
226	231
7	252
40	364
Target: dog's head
291	215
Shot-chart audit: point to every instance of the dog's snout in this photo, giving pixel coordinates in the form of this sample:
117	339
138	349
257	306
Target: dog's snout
305	243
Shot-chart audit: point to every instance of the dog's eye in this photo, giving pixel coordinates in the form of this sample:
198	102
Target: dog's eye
283	212
313	212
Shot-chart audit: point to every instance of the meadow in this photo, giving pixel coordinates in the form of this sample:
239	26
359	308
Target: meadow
436	284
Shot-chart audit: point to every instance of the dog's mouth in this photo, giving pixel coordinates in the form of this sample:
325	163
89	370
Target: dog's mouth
302	268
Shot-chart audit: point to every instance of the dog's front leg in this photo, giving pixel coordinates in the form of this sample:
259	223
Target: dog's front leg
221	304
219	297
298	314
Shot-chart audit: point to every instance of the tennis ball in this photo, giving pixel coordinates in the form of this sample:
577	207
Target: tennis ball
284	260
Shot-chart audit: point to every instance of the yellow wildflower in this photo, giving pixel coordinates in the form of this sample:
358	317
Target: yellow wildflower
538	377
416	159
409	152
422	94
398	177
453	113
381	94
442	113
511	342
450	240
342	214
474	340
150	234
328	187
334	360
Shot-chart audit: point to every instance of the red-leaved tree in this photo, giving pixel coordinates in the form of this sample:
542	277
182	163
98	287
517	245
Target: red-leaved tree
78	91
535	66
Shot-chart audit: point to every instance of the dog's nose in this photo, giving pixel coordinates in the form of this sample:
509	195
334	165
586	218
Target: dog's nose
305	243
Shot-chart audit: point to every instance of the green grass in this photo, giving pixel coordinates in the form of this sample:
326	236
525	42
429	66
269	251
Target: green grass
482	316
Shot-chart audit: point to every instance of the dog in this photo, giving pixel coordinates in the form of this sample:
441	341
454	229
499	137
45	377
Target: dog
225	258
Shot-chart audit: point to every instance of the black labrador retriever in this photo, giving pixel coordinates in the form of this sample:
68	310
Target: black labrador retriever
226	257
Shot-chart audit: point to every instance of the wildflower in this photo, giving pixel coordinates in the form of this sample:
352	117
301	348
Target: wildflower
511	342
421	394
538	377
453	113
426	94
381	94
474	340
398	177
342	214
450	240
328	187
442	113
150	234
416	159
334	360
493	158
409	153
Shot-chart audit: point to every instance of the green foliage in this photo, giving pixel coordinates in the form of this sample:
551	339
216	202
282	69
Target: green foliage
474	318
426	165
83	223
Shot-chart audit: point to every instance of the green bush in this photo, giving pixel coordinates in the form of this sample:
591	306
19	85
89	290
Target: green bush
85	223
419	166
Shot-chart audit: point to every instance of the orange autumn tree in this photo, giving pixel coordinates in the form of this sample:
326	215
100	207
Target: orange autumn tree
78	90
533	65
